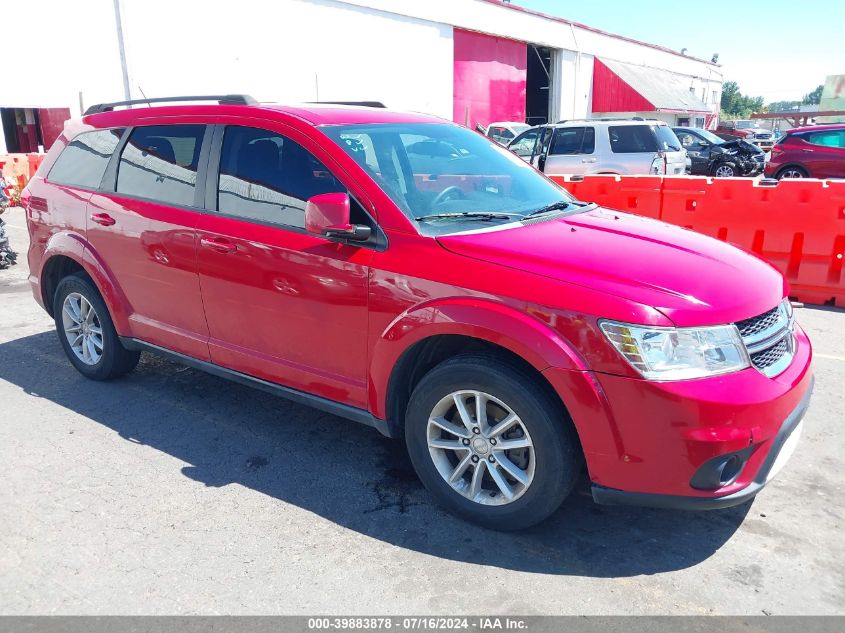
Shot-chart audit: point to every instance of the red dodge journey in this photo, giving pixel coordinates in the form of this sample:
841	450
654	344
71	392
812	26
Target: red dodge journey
410	274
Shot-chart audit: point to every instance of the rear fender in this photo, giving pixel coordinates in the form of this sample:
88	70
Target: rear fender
519	332
75	247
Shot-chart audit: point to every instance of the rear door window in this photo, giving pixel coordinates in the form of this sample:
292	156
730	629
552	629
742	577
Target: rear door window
631	139
573	140
83	162
267	177
160	163
827	138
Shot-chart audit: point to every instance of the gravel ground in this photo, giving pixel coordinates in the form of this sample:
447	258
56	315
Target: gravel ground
174	492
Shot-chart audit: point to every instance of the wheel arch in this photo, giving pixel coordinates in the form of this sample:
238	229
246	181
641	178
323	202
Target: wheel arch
420	339
69	253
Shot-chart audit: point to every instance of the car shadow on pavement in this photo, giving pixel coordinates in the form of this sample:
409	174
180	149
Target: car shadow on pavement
348	473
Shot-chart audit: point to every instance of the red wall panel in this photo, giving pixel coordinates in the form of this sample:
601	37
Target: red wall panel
611	94
52	123
490	75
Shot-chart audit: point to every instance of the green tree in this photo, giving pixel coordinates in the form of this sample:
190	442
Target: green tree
736	105
783	106
813	97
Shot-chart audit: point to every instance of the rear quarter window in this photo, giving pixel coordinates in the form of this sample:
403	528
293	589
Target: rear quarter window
631	139
83	161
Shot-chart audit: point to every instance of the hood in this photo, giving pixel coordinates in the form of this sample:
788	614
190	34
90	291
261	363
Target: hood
693	279
743	147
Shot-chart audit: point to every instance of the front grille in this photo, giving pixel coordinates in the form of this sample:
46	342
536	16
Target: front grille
755	325
768	339
768	357
764	136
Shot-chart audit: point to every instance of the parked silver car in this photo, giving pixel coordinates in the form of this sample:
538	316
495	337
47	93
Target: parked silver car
602	146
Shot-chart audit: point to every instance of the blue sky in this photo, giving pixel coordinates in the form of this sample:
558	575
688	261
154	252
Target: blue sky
772	49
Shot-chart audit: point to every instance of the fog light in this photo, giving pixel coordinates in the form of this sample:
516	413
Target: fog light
720	471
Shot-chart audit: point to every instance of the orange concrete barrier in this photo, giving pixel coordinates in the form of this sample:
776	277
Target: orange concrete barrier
797	225
634	194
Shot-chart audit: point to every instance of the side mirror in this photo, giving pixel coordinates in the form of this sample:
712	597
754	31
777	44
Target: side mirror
327	215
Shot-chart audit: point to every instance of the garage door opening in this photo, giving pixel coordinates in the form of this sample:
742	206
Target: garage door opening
538	84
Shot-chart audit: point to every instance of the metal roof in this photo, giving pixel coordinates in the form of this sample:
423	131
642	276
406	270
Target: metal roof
665	90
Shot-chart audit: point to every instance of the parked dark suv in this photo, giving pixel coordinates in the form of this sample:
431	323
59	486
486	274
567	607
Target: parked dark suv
408	273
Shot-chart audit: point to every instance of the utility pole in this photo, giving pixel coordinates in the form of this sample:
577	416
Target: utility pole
123	68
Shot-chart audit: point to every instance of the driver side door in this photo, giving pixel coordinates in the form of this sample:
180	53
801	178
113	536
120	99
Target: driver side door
281	304
524	144
698	150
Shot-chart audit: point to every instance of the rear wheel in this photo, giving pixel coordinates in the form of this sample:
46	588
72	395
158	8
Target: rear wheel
86	331
792	172
490	444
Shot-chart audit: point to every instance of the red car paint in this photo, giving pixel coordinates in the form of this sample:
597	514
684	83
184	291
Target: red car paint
272	303
798	149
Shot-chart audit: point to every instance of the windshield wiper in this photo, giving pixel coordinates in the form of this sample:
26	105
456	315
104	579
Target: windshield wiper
469	215
558	206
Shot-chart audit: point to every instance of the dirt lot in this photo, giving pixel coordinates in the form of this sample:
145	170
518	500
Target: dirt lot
171	491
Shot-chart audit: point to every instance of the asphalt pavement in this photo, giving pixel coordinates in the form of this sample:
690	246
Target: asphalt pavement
171	491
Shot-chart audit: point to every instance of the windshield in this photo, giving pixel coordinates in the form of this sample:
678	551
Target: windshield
440	169
745	125
666	139
710	137
519	128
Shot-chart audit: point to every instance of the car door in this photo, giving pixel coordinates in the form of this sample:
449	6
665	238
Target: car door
697	148
571	151
824	153
142	226
281	304
524	144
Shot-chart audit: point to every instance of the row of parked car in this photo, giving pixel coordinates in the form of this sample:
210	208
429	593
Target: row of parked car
648	146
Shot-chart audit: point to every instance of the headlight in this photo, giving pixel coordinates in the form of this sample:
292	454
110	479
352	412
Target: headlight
787	306
665	353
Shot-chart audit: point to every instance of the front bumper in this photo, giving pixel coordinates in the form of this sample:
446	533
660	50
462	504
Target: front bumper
644	441
777	455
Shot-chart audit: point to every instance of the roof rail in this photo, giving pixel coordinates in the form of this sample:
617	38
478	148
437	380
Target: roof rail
221	99
367	104
620	118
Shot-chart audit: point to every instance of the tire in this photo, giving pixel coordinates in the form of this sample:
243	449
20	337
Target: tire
725	170
550	465
792	172
109	359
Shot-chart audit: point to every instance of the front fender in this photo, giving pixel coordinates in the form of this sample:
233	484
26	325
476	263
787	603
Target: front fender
74	246
520	332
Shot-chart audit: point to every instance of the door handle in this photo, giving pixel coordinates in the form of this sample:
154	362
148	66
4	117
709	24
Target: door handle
103	218
589	160
219	245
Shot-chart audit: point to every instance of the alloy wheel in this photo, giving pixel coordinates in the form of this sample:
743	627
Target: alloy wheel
481	447
792	173
725	171
82	328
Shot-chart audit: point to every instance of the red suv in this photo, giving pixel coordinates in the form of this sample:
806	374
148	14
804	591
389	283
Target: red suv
809	152
408	273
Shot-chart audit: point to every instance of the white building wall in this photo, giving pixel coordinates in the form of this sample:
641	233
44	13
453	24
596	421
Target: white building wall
396	51
289	51
576	79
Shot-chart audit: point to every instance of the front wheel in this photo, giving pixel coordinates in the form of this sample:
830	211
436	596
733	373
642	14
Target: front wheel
725	170
490	444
